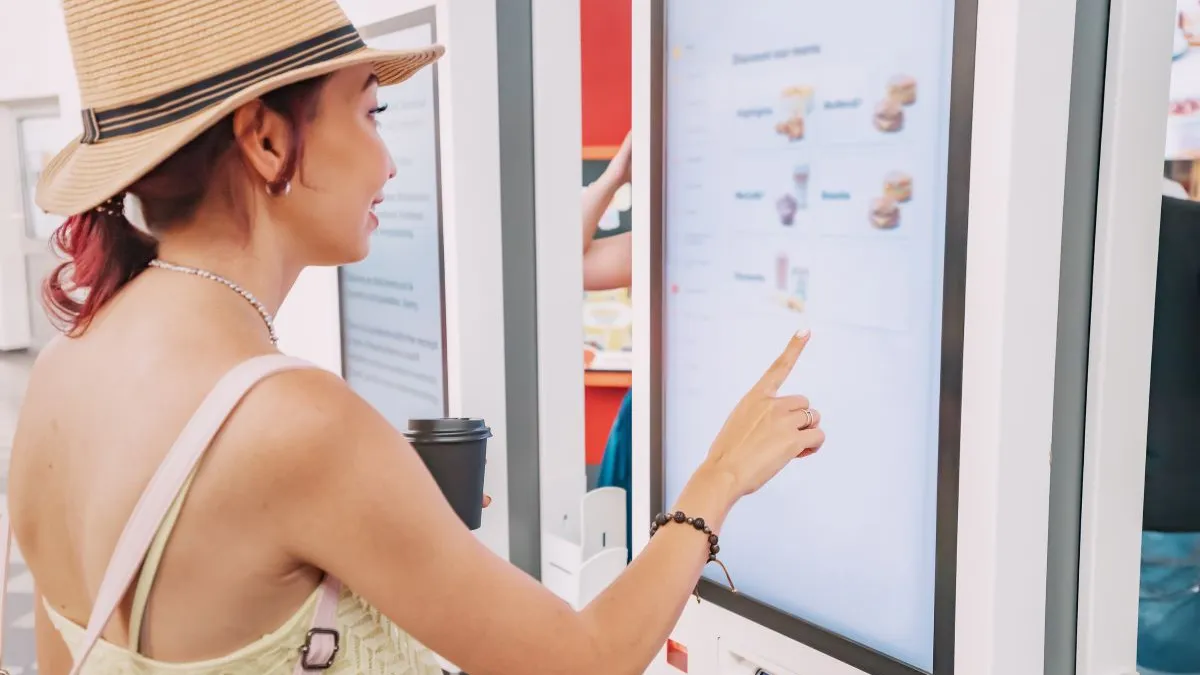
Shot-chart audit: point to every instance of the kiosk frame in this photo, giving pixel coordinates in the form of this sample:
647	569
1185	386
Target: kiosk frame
953	299
1121	308
1015	252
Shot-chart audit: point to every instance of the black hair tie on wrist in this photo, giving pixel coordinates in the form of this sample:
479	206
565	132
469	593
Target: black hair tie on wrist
679	517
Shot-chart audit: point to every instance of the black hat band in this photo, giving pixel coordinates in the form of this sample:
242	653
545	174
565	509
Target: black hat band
181	103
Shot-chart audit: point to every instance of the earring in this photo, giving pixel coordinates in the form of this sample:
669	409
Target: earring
279	192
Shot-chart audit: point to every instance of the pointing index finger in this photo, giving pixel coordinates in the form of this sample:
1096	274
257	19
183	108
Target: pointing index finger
775	376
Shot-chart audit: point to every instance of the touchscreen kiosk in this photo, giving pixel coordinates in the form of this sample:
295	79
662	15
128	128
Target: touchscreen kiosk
392	303
806	171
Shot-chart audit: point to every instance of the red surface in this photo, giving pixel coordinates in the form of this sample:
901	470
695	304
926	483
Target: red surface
606	43
600	409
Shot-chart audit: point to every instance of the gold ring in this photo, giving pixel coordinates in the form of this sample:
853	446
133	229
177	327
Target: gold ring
809	417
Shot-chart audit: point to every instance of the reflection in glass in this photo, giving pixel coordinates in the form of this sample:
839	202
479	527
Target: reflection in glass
1169	613
1169	607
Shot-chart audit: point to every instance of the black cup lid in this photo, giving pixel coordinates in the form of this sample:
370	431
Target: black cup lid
447	430
447	425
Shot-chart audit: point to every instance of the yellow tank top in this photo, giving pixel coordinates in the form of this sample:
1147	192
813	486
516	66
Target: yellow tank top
370	645
367	642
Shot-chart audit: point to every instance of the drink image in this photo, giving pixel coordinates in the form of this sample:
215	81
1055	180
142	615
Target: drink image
799	296
455	452
781	272
787	206
800	185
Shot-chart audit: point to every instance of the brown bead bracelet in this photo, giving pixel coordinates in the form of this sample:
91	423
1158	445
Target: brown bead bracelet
663	519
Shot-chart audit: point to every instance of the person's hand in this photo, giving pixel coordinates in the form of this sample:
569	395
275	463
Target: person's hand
487	501
765	432
620	168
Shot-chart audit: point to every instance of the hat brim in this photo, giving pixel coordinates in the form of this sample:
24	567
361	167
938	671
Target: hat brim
82	176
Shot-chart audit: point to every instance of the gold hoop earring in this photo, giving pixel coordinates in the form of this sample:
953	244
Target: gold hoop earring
275	192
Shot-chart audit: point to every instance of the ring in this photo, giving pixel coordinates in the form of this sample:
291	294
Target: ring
808	415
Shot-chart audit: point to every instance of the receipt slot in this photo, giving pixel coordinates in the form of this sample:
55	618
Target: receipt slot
736	661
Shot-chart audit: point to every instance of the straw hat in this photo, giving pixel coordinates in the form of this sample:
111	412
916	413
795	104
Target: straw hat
155	75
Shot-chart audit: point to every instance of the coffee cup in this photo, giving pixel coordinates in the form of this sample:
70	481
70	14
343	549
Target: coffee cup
455	452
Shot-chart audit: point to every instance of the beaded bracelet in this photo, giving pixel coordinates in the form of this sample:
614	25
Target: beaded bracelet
662	519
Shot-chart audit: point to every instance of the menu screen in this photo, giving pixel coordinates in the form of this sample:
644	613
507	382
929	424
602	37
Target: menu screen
392	304
805	187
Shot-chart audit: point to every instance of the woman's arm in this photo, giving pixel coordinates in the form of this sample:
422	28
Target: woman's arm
599	195
349	496
352	497
608	264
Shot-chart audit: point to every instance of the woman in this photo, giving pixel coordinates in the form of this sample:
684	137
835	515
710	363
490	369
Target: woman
310	536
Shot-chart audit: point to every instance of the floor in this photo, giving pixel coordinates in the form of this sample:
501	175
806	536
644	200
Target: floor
19	655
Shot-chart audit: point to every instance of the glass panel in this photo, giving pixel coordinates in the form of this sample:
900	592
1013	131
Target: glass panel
1169	608
39	140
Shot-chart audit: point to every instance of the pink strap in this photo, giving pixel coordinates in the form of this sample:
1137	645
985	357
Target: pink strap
323	640
156	500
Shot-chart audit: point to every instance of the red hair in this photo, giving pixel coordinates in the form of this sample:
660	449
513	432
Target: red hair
104	250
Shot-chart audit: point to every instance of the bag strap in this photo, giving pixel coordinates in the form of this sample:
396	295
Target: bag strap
156	500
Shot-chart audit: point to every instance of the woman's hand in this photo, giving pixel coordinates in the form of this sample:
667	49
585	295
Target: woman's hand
487	501
765	432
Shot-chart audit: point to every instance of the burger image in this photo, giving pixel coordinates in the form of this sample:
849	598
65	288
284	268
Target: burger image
885	214
897	185
889	116
902	89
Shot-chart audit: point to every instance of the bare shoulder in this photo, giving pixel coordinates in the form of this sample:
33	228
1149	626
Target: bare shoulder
298	403
297	426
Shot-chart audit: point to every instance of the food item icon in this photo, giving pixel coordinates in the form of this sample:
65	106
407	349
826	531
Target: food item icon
902	89
796	105
798	100
793	128
897	185
798	299
885	214
786	206
1188	21
781	272
800	182
889	116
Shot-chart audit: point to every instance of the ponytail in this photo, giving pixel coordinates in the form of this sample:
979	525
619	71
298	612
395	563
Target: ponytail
104	251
